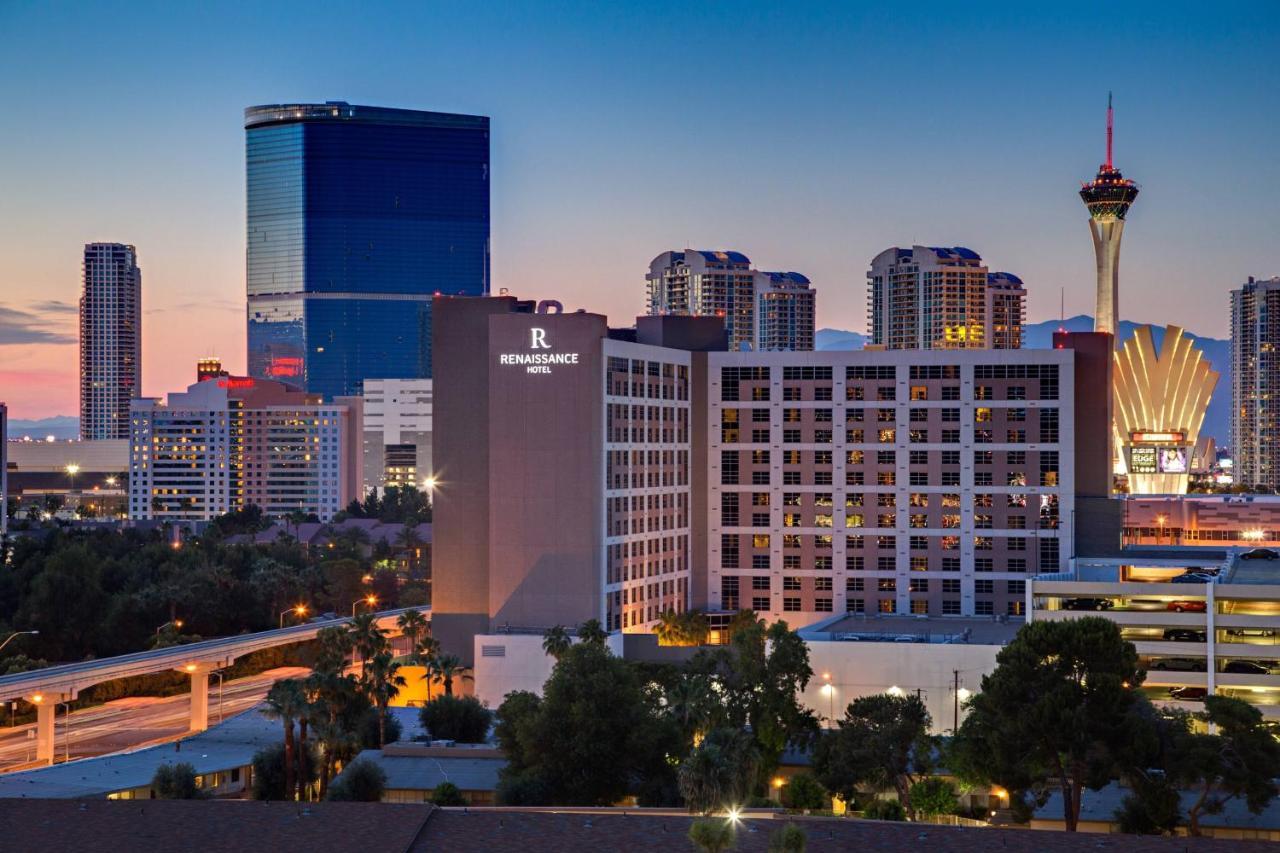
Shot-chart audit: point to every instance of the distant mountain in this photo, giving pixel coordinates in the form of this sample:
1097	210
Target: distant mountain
61	426
1217	420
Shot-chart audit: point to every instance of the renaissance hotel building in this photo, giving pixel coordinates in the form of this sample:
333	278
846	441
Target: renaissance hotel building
588	472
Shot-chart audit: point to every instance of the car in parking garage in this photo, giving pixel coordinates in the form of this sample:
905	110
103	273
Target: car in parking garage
1087	604
1179	664
1260	554
1246	667
1185	635
1186	606
1189	694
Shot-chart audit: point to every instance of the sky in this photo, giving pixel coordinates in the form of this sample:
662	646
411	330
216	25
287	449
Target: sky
809	136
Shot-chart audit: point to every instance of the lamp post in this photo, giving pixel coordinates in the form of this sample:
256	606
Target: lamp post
368	599
16	634
829	691
176	623
299	610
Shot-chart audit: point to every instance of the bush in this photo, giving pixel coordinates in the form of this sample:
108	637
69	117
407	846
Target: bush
362	782
368	729
884	810
448	794
934	797
176	782
803	791
522	789
268	773
788	839
460	718
712	835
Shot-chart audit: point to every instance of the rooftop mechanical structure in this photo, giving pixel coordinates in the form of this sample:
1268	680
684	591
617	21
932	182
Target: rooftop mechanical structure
1108	197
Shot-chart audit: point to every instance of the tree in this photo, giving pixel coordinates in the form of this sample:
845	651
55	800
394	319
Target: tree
367	638
1057	709
462	719
803	791
382	684
883	742
287	702
176	782
591	735
789	839
414	626
720	772
593	632
934	796
447	668
447	794
362	781
556	641
711	835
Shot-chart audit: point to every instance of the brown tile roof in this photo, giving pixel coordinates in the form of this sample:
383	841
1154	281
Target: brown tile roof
216	826
503	831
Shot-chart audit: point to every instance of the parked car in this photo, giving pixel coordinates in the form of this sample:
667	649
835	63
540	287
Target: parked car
1204	570
1087	604
1188	694
1179	664
1186	606
1192	579
1246	667
1185	635
1262	633
1260	554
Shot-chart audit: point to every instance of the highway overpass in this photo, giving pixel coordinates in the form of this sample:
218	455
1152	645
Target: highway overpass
47	688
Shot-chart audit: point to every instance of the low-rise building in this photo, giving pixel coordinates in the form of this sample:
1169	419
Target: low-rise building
416	769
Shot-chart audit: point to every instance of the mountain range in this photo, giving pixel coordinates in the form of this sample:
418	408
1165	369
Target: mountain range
1217	420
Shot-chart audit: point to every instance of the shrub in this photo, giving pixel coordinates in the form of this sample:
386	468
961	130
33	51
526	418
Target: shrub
460	718
934	797
268	773
712	835
805	792
788	839
368	729
176	782
448	794
884	810
362	782
522	789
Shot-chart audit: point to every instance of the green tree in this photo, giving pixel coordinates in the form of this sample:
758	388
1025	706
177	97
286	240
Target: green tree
593	632
447	794
720	772
382	682
882	742
447	668
1057	709
176	782
458	718
361	781
803	791
287	702
934	796
712	835
556	641
367	638
414	626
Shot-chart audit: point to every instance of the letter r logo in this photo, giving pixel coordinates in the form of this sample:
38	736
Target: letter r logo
538	339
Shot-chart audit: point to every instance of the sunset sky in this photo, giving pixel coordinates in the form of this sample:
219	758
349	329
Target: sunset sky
809	136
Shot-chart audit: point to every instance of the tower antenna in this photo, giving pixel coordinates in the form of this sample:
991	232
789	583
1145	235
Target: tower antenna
1110	114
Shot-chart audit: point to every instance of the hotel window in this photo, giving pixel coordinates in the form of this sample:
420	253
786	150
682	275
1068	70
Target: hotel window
759	416
760	603
854	478
918	457
886	393
950	392
854	416
1049	555
854	393
791	540
791	498
854	563
886	564
982	543
919	521
759	561
984	608
728	467
822	436
950	543
822	584
982	392
761	478
854	584
951	564
886	416
982	415
950	607
790	583
886	520
791	392
982	522
887	584
822	564
822	521
822	393
1048	426
1016	392
918	416
760	436
822	499
885	478
791	416
983	457
917	478
791	604
982	478
1048	467
791	562
855	605
984	587
729	509
791	436
918	436
1016	415
918	585
919	543
822	604
951	457
760	540
919	563
791	457
888	605
886	457
822	416
919	392
951	436
950	522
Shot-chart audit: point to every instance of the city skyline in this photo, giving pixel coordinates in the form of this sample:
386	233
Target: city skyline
576	156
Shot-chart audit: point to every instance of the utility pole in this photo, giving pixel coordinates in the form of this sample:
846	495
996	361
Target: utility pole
955	696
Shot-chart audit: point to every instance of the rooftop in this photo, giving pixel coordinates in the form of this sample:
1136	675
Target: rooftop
914	629
340	111
431	767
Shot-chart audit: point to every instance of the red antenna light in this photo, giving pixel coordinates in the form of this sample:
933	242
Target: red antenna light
1110	114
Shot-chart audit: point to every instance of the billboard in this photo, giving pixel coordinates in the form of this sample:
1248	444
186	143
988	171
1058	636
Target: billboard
1142	460
1173	460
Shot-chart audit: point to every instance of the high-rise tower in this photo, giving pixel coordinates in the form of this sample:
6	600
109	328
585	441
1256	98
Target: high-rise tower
1108	197
110	340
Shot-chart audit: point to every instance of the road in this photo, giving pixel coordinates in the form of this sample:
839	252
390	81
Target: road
138	721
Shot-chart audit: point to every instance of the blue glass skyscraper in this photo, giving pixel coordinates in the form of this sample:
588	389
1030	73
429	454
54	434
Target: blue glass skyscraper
357	217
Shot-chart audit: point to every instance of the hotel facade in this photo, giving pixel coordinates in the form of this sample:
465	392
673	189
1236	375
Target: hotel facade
588	472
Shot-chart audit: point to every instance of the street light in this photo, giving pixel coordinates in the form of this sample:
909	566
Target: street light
16	634
177	623
368	599
829	691
299	610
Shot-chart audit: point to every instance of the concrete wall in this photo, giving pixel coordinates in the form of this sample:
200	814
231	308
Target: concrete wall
507	662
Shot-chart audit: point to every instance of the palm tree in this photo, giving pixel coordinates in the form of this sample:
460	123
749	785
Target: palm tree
690	703
592	631
383	684
669	630
286	702
697	628
556	641
367	637
414	626
449	667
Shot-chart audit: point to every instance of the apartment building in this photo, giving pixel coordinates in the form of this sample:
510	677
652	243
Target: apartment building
397	433
110	340
1255	382
231	442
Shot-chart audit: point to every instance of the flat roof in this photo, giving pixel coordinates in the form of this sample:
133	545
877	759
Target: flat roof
901	628
1254	572
340	111
426	772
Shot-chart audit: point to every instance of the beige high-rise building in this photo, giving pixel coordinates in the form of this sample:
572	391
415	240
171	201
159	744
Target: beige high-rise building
938	297
110	340
1255	382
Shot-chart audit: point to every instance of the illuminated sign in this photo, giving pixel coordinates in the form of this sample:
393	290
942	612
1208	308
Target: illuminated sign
537	362
1142	460
1173	460
1171	437
285	366
236	382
